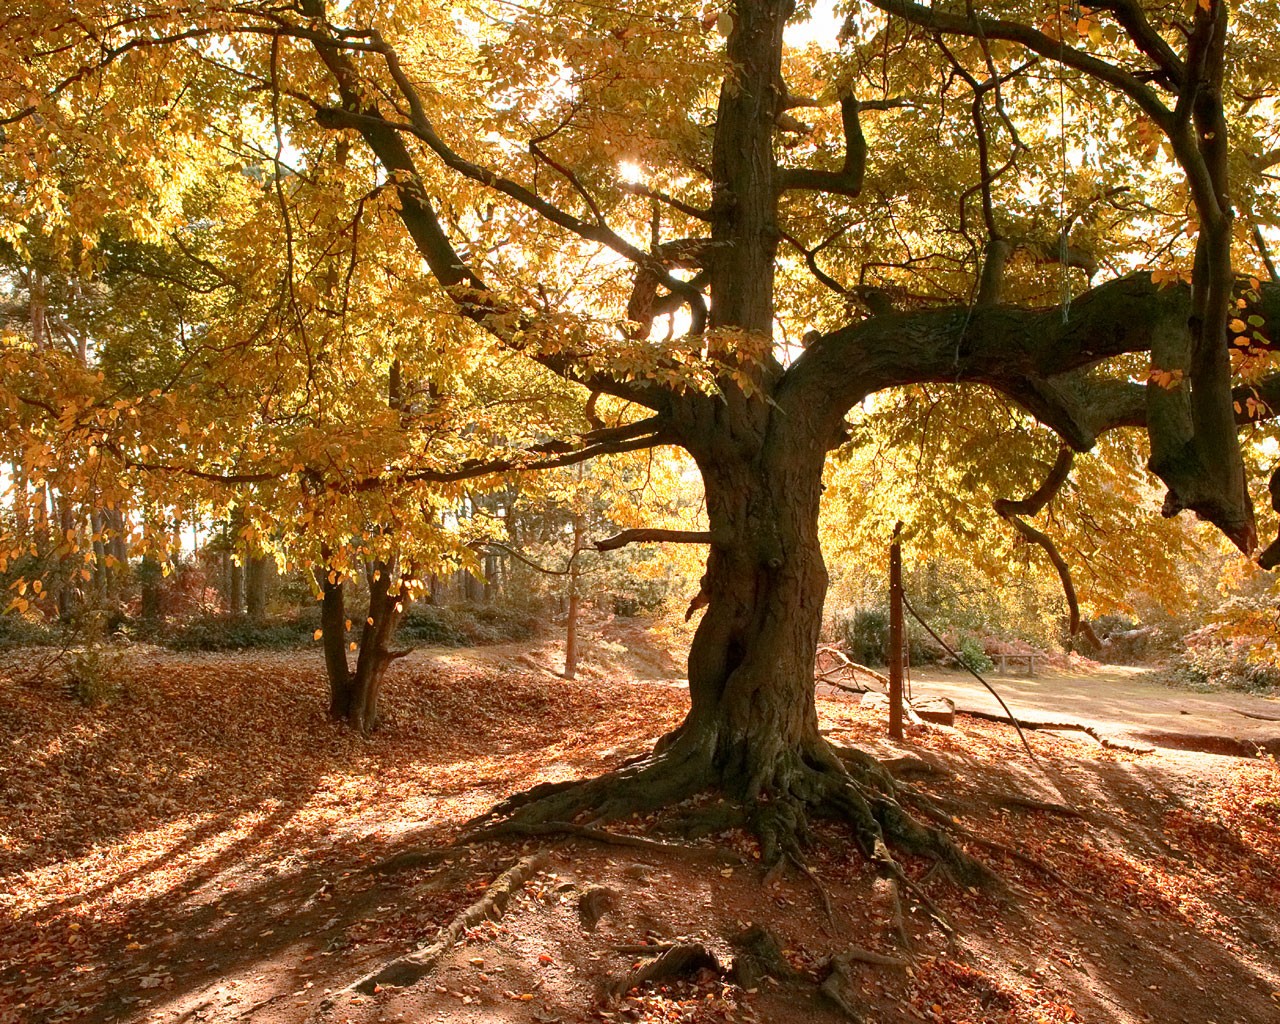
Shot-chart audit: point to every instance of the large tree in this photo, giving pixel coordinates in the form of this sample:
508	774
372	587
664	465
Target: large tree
575	177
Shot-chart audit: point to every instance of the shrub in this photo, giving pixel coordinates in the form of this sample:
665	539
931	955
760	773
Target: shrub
94	675
94	671
1210	663
864	634
462	625
432	624
17	631
230	633
972	656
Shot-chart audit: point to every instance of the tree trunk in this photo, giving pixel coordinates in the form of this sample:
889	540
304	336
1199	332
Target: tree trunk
235	588
571	621
353	694
751	662
333	635
257	583
752	727
66	523
149	576
386	606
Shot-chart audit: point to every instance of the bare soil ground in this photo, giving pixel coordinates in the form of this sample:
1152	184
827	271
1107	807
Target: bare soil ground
1121	703
206	849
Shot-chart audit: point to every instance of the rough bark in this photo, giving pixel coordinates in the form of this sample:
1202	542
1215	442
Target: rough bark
386	606
235	586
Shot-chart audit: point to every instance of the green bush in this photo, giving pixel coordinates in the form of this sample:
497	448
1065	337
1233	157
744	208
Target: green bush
973	657
432	624
863	633
1224	665
94	675
461	625
17	631
464	625
231	633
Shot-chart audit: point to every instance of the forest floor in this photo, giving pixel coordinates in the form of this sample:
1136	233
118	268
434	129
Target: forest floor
205	848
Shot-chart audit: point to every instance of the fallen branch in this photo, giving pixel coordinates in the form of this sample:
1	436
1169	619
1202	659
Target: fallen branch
849	664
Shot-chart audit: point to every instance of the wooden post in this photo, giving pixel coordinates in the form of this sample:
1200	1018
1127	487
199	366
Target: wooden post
895	635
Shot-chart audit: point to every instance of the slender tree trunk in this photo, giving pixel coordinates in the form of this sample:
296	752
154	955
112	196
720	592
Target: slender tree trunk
235	592
333	634
257	585
66	524
490	576
386	606
571	622
100	568
149	575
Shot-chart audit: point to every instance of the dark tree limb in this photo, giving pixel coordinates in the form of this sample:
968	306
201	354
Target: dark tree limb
1270	558
848	180
1030	355
975	27
653	536
1013	511
1034	502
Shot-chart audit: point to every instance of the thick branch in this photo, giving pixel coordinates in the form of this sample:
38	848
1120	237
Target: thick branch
464	286
1034	502
653	536
1133	19
1270	558
1012	511
848	180
975	27
1029	355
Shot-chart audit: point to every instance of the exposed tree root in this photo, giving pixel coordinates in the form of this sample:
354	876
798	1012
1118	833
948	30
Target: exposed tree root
903	766
841	988
593	904
779	794
759	956
417	965
870	956
682	958
410	859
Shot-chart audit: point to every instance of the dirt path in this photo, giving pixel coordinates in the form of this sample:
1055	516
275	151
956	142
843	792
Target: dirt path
1121	705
